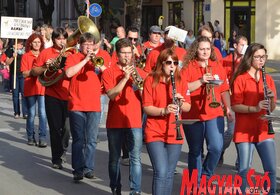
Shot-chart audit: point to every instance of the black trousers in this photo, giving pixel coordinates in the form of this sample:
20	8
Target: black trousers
57	113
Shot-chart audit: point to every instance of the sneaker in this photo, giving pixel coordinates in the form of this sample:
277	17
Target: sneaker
57	166
78	177
135	193
31	142
63	157
125	161
42	144
16	116
89	175
25	116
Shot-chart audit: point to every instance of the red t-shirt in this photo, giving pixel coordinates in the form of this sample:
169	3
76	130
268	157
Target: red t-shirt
148	45
200	99
160	128
3	57
59	89
85	87
32	86
153	56
227	64
218	55
249	127
125	110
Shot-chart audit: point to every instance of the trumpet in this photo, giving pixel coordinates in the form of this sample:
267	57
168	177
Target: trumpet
210	87
97	61
137	79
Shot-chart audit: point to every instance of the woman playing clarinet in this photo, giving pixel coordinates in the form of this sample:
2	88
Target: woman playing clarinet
254	95
163	145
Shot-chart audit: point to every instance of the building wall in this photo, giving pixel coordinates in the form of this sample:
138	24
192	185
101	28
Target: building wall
268	26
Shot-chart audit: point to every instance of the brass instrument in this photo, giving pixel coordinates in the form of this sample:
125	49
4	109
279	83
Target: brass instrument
210	87
175	101
97	61
270	127
84	25
137	79
50	76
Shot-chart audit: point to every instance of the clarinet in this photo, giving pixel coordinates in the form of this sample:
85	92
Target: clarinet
175	101
270	127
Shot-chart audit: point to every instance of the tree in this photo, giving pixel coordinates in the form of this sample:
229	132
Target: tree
47	10
134	13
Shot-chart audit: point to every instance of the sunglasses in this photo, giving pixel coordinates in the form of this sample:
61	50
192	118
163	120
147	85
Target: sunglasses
168	62
133	39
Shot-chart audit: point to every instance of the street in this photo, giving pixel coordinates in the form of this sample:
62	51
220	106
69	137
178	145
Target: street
27	169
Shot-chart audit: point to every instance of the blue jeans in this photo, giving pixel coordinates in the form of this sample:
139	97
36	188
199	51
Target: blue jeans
19	90
133	138
211	130
267	152
31	104
84	130
164	158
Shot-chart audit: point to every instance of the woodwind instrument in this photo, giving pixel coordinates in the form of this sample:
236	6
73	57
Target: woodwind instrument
175	101
270	127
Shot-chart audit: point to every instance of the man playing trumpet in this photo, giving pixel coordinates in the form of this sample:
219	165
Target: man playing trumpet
124	117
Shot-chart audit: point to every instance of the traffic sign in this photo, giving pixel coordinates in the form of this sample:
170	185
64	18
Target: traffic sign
95	10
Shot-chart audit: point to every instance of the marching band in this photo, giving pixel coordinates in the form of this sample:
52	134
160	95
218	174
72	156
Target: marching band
182	94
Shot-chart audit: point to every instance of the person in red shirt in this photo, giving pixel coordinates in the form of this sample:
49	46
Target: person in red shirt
33	91
56	97
84	107
159	105
168	43
124	122
201	67
231	64
154	39
249	104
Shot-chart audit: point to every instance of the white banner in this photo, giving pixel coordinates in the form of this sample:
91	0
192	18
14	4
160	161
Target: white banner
16	27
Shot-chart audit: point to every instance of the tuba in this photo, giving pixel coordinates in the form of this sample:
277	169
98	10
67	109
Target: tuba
51	75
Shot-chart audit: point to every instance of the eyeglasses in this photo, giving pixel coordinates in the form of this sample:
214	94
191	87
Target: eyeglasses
133	39
168	62
125	53
264	57
88	44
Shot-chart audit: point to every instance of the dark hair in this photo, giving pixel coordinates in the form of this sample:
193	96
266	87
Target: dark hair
132	29
205	28
121	43
86	37
158	73
30	39
217	21
239	37
192	52
57	32
247	60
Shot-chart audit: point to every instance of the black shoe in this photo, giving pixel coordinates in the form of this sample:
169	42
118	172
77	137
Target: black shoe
78	177
89	175
57	166
116	192
221	161
42	144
